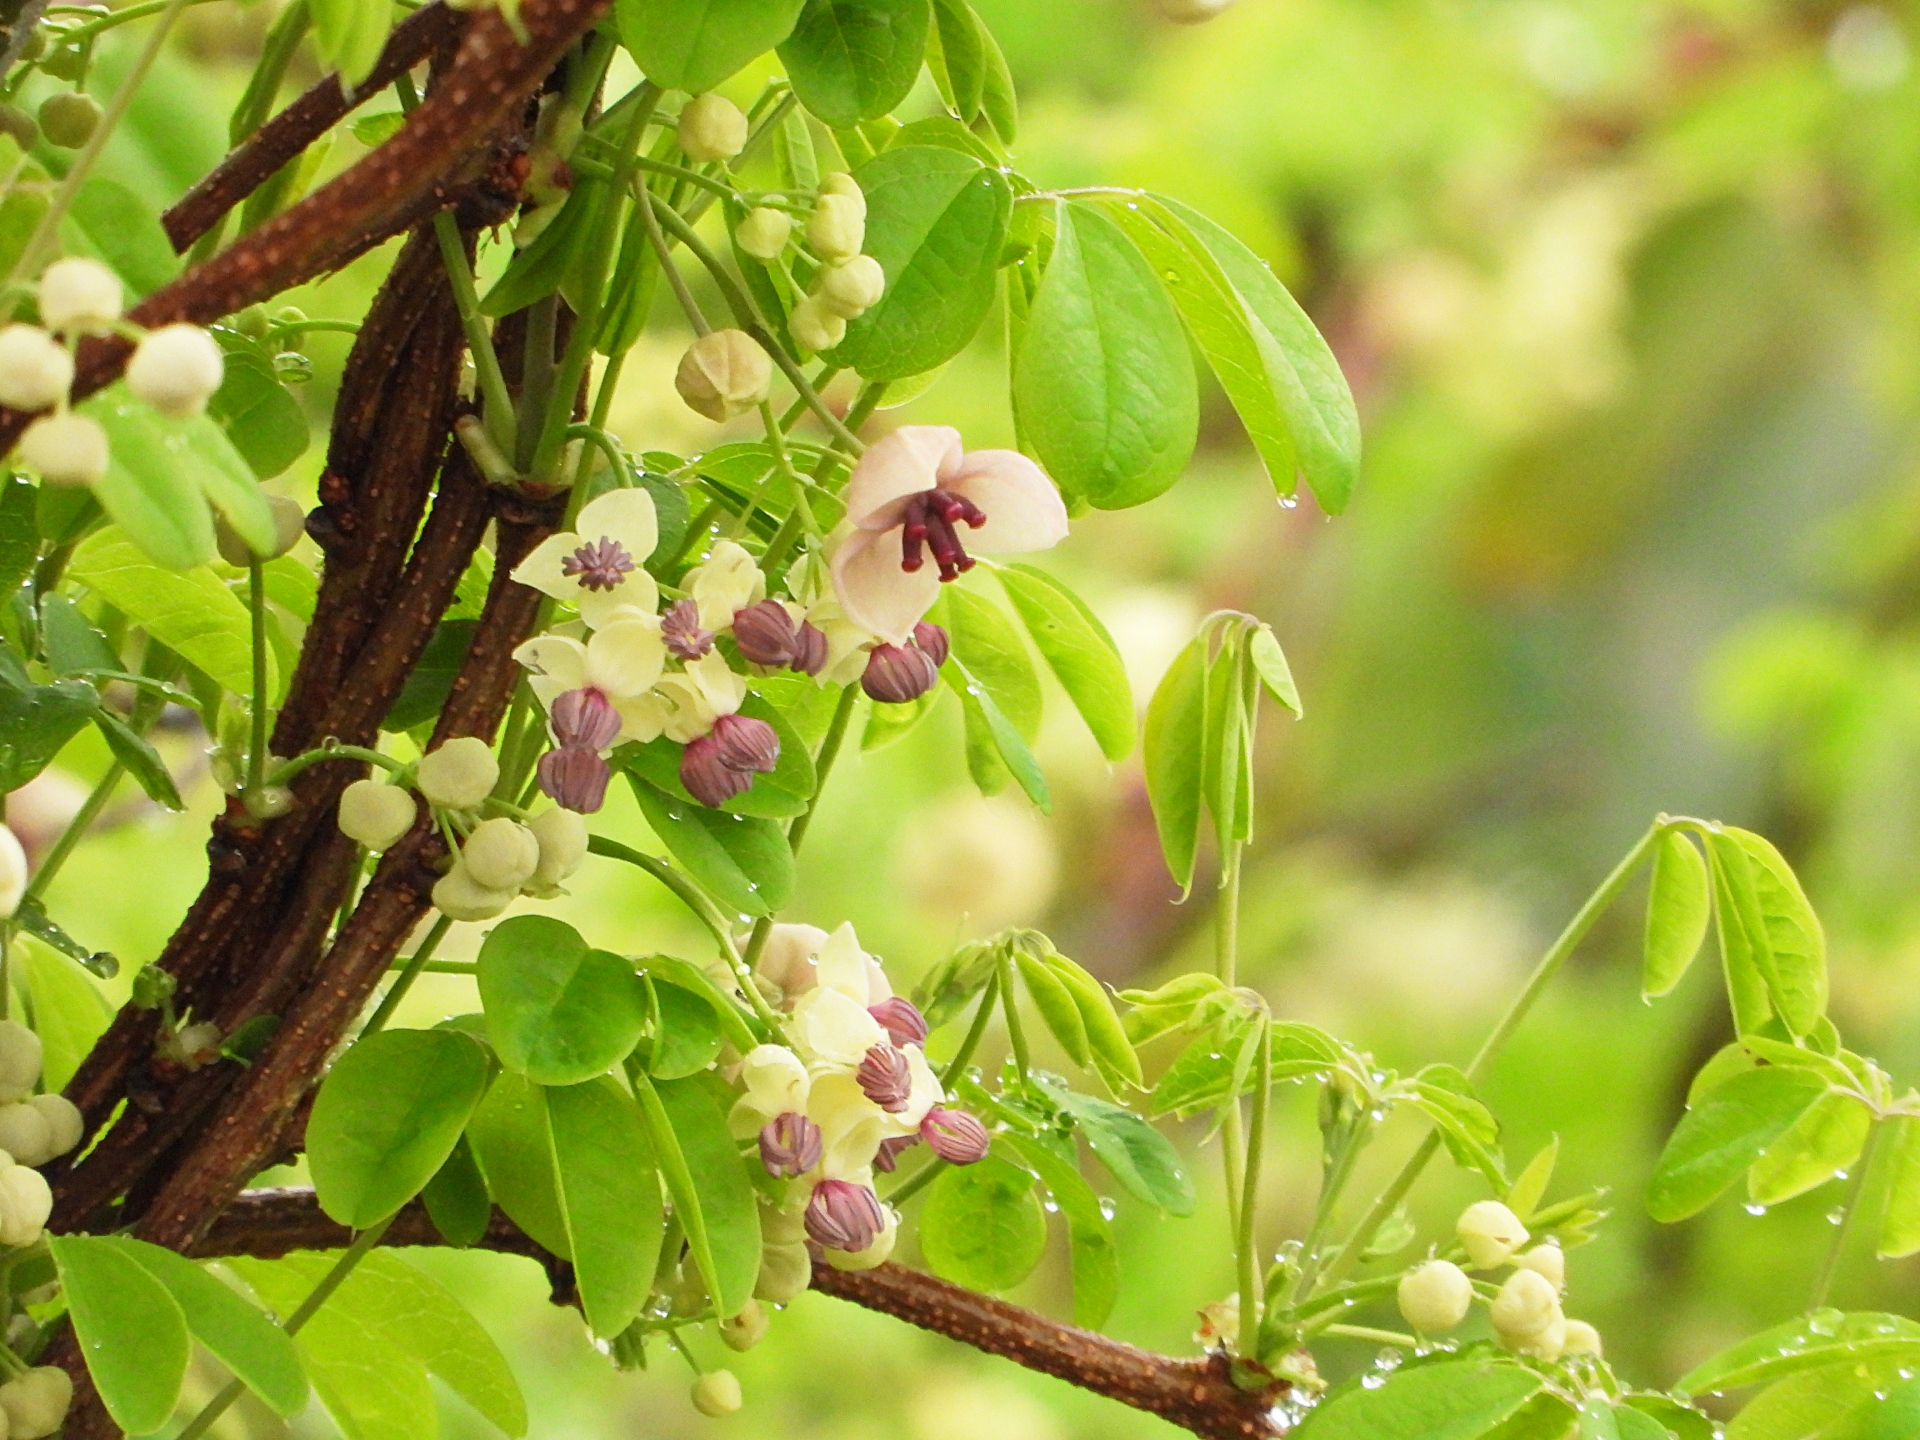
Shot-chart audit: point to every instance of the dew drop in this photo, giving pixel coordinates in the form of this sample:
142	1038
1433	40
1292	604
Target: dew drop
1107	1208
1837	1215
1288	502
1756	1209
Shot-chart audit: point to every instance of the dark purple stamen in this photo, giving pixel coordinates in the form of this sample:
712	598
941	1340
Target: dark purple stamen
680	627
599	564
929	521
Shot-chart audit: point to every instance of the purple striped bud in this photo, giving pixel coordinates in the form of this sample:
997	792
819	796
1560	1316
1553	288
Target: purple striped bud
884	1078
789	1145
896	674
722	763
888	1155
932	640
585	719
956	1137
904	1023
680	627
809	649
764	632
844	1216
575	779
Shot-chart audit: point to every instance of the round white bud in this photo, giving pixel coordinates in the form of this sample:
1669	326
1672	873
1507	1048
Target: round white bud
712	127
837	228
763	232
852	286
267	802
458	775
67	449
847	188
716	1393
1547	1343
13	871
25	1134
1547	1260
36	1404
786	1269
501	854
79	296
457	896
289	524
66	1126
176	369
1491	1232
1580	1339
25	1204
1435	1296
376	814
1526	1305
20	1061
35	369
814	327
744	1331
562	837
724	374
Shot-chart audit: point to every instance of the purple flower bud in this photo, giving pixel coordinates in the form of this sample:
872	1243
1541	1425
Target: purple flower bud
585	719
888	1155
896	674
904	1024
844	1216
575	779
931	639
809	649
789	1145
884	1078
955	1136
764	633
680	628
747	744
722	763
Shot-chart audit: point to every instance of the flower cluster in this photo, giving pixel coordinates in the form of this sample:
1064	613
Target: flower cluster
846	283
1526	1313
850	1092
33	1130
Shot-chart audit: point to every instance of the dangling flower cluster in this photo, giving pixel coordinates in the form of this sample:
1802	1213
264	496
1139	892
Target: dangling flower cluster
851	1093
175	369
847	283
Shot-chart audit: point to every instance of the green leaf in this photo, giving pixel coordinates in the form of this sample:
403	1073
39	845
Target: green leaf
69	1013
68	640
712	1196
1826	1337
1524	1195
1056	1005
1732	1126
1138	1156
988	724
1467	1127
376	129
936	221
982	1225
126	232
1090	1248
1226	761
693	45
609	1199
131	1329
1822	1143
350	34
1079	651
537	271
1736	909
457	1200
785	791
963	57
1112	1052
945	990
1172	747
686	1033
1682	1422
1171	1007
1454	1400
999	102
142	761
1103	382
240	1336
1270	664
888	723
558	1011
1597	1421
1203	1074
431	680
743	862
1900	1225
853	60
159	471
387	1117
261	418
1892	1416
1794	955
1679	904
1802	1406
684	974
192	614
36	723
19	534
985	641
509	1138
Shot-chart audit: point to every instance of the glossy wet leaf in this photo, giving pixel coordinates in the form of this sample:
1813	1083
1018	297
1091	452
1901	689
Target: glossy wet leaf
1679	906
693	45
1454	1400
1827	1337
193	614
853	60
609	1197
510	1141
1824	1142
686	1033
1732	1126
558	1011
1090	1246
1079	651
132	1331
744	862
1900	1223
456	1198
1143	1160
700	1161
982	1225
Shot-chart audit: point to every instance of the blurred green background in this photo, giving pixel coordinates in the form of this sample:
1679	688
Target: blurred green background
1627	294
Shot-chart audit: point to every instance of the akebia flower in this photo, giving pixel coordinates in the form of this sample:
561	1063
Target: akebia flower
955	1136
722	763
726	582
843	1215
789	1145
686	705
884	1077
600	565
620	661
686	638
575	778
901	1019
584	719
898	674
913	494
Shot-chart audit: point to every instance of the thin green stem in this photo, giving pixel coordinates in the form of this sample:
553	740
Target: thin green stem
916	1182
501	423
1379	1337
1016	1034
1849	1208
257	616
823	763
397	991
976	1032
1226	919
287	769
1338	1172
677	282
1248	1253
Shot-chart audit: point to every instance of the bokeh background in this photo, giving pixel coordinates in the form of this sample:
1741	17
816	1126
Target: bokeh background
1626	291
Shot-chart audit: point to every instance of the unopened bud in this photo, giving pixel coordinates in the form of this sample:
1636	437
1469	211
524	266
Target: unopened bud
744	1331
36	1403
763	232
1549	1261
67	449
810	649
20	1059
716	1393
712	127
289	524
1580	1338
25	1204
896	674
722	763
852	286
69	119
842	1215
814	327
176	369
786	1270
1491	1232
458	896
501	854
901	1019
764	633
844	185
459	774
562	837
35	369
955	1136
930	638
585	718
888	1155
1526	1305
575	778
724	374
376	814
884	1077
79	296
13	872
1435	1296
682	631
789	1145
1547	1343
65	1124
25	1134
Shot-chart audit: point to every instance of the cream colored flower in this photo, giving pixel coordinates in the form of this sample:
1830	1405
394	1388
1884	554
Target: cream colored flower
600	566
728	580
686	704
621	660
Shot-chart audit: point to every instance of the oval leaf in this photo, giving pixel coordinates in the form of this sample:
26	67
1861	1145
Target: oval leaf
131	1330
1176	723
609	1199
1733	1125
557	1011
1079	651
1456	1400
853	60
693	45
982	1225
1679	904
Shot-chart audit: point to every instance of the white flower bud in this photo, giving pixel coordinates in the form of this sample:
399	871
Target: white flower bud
712	127
562	837
851	286
376	814
1491	1232
1435	1296
814	327
459	775
66	449
13	872
194	1045
716	1393
837	228
847	188
66	1126
1547	1260
501	854
79	297
1526	1305
289	524
25	1204
19	1061
1580	1338
723	374
763	232
25	1134
267	802
1547	1343
458	897
744	1331
35	369
36	1404
176	369
786	1269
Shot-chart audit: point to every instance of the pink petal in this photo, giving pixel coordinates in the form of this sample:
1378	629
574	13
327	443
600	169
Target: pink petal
909	460
1024	511
876	594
